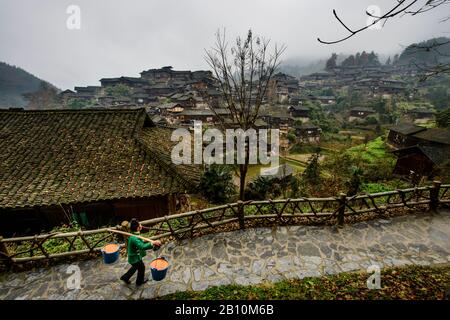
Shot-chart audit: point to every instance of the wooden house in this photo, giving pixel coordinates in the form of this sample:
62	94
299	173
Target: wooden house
170	109
430	149
420	114
420	160
308	133
188	116
162	75
127	81
107	165
66	96
299	112
278	121
160	90
326	100
360	113
433	137
401	135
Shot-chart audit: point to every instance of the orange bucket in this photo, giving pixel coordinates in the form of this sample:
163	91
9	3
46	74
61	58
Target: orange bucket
159	267
111	253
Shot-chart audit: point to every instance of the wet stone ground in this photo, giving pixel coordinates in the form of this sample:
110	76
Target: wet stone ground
250	257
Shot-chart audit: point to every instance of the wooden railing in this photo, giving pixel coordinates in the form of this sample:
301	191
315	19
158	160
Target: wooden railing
237	215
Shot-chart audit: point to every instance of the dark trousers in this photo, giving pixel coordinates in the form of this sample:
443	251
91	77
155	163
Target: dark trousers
140	268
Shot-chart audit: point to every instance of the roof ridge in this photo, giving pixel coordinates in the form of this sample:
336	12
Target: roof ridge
123	110
164	165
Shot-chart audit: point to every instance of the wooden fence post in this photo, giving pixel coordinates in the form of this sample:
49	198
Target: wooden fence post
241	214
434	196
342	200
4	250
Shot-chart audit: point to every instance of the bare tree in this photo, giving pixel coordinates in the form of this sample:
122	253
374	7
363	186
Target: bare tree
401	8
46	97
243	72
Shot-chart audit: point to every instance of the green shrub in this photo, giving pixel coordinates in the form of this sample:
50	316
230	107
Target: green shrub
216	184
258	189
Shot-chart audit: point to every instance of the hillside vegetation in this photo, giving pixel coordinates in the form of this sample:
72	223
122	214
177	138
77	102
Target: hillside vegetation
14	82
428	52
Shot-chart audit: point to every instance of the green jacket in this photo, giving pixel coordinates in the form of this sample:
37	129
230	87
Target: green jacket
137	249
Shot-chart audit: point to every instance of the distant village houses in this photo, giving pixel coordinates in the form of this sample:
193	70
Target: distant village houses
308	133
192	89
360	113
282	87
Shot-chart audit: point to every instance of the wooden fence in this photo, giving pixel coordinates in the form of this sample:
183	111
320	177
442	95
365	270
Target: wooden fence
239	214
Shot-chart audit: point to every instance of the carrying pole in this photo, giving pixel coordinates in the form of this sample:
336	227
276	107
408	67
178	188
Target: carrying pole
130	235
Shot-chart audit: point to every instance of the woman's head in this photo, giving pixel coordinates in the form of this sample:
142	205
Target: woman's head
135	225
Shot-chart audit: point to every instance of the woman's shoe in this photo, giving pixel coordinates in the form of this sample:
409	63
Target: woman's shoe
125	280
140	284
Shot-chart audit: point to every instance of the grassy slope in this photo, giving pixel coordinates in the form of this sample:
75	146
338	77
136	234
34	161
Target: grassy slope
374	150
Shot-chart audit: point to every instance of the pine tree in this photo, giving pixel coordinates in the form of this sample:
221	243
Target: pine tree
311	176
331	63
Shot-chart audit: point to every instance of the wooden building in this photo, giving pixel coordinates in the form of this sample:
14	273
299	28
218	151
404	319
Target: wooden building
127	81
420	114
360	113
401	136
419	160
299	111
430	148
308	133
105	165
433	137
278	121
326	100
169	109
188	116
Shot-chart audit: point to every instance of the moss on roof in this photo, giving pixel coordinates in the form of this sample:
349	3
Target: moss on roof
70	156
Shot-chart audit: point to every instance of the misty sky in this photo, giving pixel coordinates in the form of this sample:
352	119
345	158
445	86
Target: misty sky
125	37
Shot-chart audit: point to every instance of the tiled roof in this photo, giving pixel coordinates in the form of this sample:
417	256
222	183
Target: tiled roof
159	139
168	105
407	128
306	126
299	108
434	135
438	155
421	110
362	109
70	156
197	112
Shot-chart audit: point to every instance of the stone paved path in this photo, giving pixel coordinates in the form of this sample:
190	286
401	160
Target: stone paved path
250	257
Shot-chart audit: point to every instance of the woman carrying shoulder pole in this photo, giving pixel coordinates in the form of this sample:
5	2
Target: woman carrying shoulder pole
136	252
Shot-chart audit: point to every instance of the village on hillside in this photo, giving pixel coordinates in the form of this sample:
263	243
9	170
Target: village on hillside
375	119
245	180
